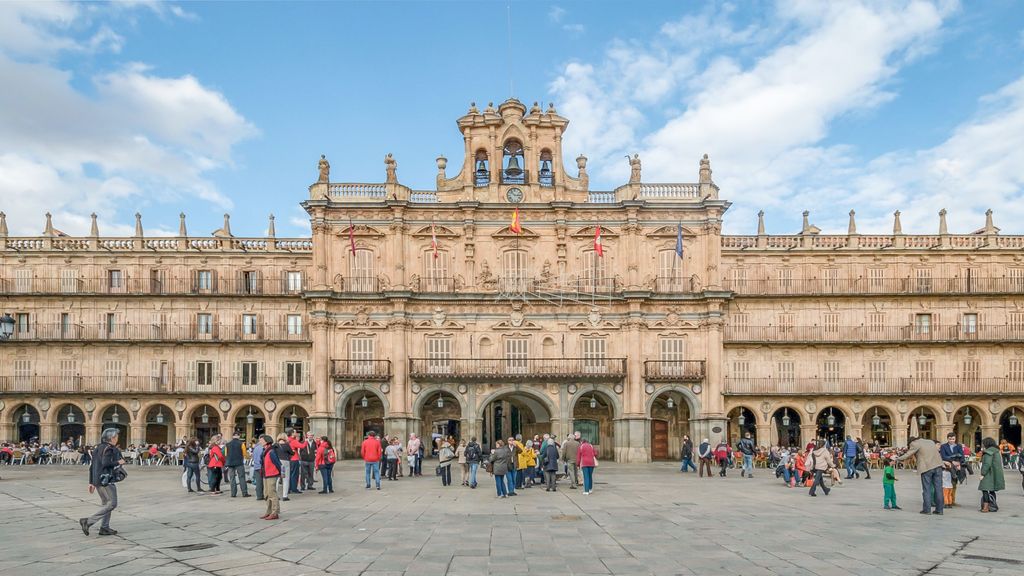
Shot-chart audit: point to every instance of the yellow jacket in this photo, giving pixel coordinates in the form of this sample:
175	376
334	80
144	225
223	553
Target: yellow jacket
527	458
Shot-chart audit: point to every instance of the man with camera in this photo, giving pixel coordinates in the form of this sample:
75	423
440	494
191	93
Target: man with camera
104	473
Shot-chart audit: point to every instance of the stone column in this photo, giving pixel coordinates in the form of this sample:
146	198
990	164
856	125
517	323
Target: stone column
137	432
181	431
990	431
942	430
92	433
320	332
48	432
320	254
764	434
900	433
807	433
712	398
400	368
856	431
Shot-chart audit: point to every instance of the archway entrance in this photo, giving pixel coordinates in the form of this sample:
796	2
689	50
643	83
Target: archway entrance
116	416
832	425
513	414
71	424
27	421
787	427
362	413
878	422
159	425
670	421
205	423
741	421
250	423
1009	426
593	416
440	416
922	423
967	427
294	417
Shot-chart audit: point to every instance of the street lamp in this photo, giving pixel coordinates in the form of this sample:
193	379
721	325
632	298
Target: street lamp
742	419
922	419
440	401
250	418
831	418
160	415
1013	418
785	417
205	418
671	403
593	402
364	402
71	415
294	418
26	417
115	417
876	420
967	416
6	326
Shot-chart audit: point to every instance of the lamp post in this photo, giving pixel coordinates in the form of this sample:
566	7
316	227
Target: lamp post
205	418
785	417
593	402
440	401
671	403
921	418
364	402
250	418
876	420
6	326
26	417
294	419
967	416
160	415
831	418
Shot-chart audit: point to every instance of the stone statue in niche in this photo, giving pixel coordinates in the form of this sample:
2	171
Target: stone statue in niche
391	166
325	170
695	284
634	169
383	283
339	283
545	274
414	283
486	279
459	282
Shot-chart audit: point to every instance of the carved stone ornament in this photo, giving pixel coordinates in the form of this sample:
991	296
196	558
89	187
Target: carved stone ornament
618	388
463	389
993	407
594	317
2	405
179	406
339	387
902	406
385	388
44	405
516	317
415	388
649	388
90	405
439	317
270	406
947	406
134	405
571	388
362	316
697	388
766	407
811	408
225	405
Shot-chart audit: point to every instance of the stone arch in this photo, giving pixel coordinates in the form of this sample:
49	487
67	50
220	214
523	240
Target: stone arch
986	416
349	431
841	429
284	412
691	399
608	394
426	391
938	414
58	416
241	409
169	412
758	416
538	396
196	409
597	424
125	415
886	434
360	389
21	431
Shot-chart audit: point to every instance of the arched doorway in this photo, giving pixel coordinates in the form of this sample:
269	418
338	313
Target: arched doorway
1009	426
670	421
967	426
26	418
878	423
159	425
787	427
593	416
440	416
363	411
512	413
922	423
831	424
116	416
71	424
205	423
294	417
741	421
250	422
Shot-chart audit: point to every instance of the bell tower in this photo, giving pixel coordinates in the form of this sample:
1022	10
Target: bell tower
512	156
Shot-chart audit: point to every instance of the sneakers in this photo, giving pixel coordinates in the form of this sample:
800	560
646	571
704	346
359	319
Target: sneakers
84	523
108	532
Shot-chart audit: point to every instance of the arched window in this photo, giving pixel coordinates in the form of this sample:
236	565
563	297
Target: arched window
482	169
362	277
545	173
512	163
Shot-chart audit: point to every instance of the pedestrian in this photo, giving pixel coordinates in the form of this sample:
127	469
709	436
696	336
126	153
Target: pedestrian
850	457
570	455
515	448
193	452
889	486
445	457
103	479
215	464
307	463
687	453
411	457
371	453
273	468
473	455
257	467
460	454
588	461
952	454
234	464
947	486
820	463
284	454
550	463
991	473
415	450
747	450
500	461
324	462
521	462
391	455
722	456
705	454
929	466
861	461
296	443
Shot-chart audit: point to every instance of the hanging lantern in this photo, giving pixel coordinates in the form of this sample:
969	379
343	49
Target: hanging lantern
115	417
440	401
250	418
671	403
1013	418
71	415
294	417
205	418
876	420
785	417
593	402
26	417
742	419
364	402
160	415
967	416
922	419
831	418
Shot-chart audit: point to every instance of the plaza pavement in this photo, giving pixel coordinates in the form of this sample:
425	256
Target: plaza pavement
641	519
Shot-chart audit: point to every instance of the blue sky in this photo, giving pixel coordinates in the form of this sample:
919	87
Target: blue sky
206	108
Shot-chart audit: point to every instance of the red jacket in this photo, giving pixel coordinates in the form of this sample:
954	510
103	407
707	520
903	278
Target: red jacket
371	449
586	455
271	463
216	457
296	446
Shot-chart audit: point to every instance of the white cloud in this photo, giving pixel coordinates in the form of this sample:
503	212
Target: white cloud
556	14
136	138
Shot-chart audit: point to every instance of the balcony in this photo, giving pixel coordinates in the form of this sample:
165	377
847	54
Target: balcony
124	384
361	369
437	285
875	386
447	369
674	370
670	284
128	286
870	334
365	284
876	286
515	176
220	333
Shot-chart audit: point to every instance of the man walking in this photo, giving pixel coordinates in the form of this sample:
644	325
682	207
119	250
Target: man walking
235	465
929	466
104	458
307	462
371	452
473	456
413	450
687	455
284	454
297	444
747	449
705	454
570	455
257	467
850	457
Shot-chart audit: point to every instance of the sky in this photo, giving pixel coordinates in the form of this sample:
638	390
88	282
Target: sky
213	108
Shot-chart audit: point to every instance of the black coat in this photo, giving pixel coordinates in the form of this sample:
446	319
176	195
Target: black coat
104	458
551	458
235	455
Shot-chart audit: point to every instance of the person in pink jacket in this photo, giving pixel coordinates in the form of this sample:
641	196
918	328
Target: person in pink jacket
587	458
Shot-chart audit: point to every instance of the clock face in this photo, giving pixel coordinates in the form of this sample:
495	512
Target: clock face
514	195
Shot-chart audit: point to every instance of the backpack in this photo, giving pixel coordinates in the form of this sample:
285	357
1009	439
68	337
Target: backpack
473	453
331	456
206	459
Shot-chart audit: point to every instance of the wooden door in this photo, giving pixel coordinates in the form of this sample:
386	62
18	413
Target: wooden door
659	440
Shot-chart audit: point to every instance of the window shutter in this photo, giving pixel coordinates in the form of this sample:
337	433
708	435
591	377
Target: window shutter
284	282
192	373
213	280
259	330
261	368
195	280
215	327
214	373
236	373
282	376
305	375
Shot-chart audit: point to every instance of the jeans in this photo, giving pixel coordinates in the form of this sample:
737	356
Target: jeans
192	471
257	480
787	475
327	473
236	476
419	465
688	463
473	467
510	480
989	497
588	478
108	501
723	465
372	469
520	477
890	495
215	476
392	469
818	482
286	467
307	475
931	490
446	475
748	464
293	476
499	482
851	465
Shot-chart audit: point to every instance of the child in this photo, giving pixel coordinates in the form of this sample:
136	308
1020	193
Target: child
889	485
947	487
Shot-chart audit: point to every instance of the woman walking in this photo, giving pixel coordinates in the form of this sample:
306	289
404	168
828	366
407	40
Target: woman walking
587	456
992	479
192	454
460	453
500	459
820	462
444	457
325	459
216	464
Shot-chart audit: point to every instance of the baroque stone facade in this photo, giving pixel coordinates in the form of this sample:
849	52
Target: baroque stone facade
484	308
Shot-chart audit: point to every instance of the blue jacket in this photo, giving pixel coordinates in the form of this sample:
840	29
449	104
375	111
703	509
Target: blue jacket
257	456
850	448
954	453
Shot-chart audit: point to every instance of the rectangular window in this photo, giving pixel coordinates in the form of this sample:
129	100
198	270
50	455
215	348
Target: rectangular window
250	373
876	371
969	280
876	322
923	326
115	281
68	374
114	374
786	280
250	282
672	350
924	370
157	281
65	325
831	325
785	374
436	274
830	280
362	277
670	273
970	325
68	281
786	325
1016	280
294	324
110	325
1016	372
249	325
204	373
740	325
971	370
741	370
293	373
923	280
592	278
739	279
204	324
876	280
293	281
23	322
516	352
23	280
439	355
830	372
1015	325
22	374
361	352
204	280
514	271
594	355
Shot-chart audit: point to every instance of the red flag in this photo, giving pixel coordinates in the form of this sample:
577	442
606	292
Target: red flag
433	238
516	226
352	237
598	248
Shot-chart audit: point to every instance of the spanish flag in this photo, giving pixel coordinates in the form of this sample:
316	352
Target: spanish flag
516	226
598	247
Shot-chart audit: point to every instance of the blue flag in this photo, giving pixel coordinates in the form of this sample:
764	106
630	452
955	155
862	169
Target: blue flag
679	240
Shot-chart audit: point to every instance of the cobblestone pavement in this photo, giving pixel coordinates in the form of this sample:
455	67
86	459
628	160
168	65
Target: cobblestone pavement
641	519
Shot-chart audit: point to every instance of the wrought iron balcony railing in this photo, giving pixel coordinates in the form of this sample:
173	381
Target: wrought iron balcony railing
120	286
875	386
811	334
360	284
437	285
160	333
348	369
517	368
674	370
881	286
124	383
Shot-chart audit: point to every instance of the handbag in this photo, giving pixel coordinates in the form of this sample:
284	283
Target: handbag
595	462
437	471
116	474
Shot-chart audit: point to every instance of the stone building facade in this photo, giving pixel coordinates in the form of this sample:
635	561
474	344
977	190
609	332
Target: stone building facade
513	299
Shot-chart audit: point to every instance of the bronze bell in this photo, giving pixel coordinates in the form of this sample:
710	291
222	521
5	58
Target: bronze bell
513	165
481	168
545	168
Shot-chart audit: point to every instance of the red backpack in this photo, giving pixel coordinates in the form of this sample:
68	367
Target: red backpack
331	457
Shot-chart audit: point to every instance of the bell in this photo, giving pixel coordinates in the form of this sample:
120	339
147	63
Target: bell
545	168
481	168
513	165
